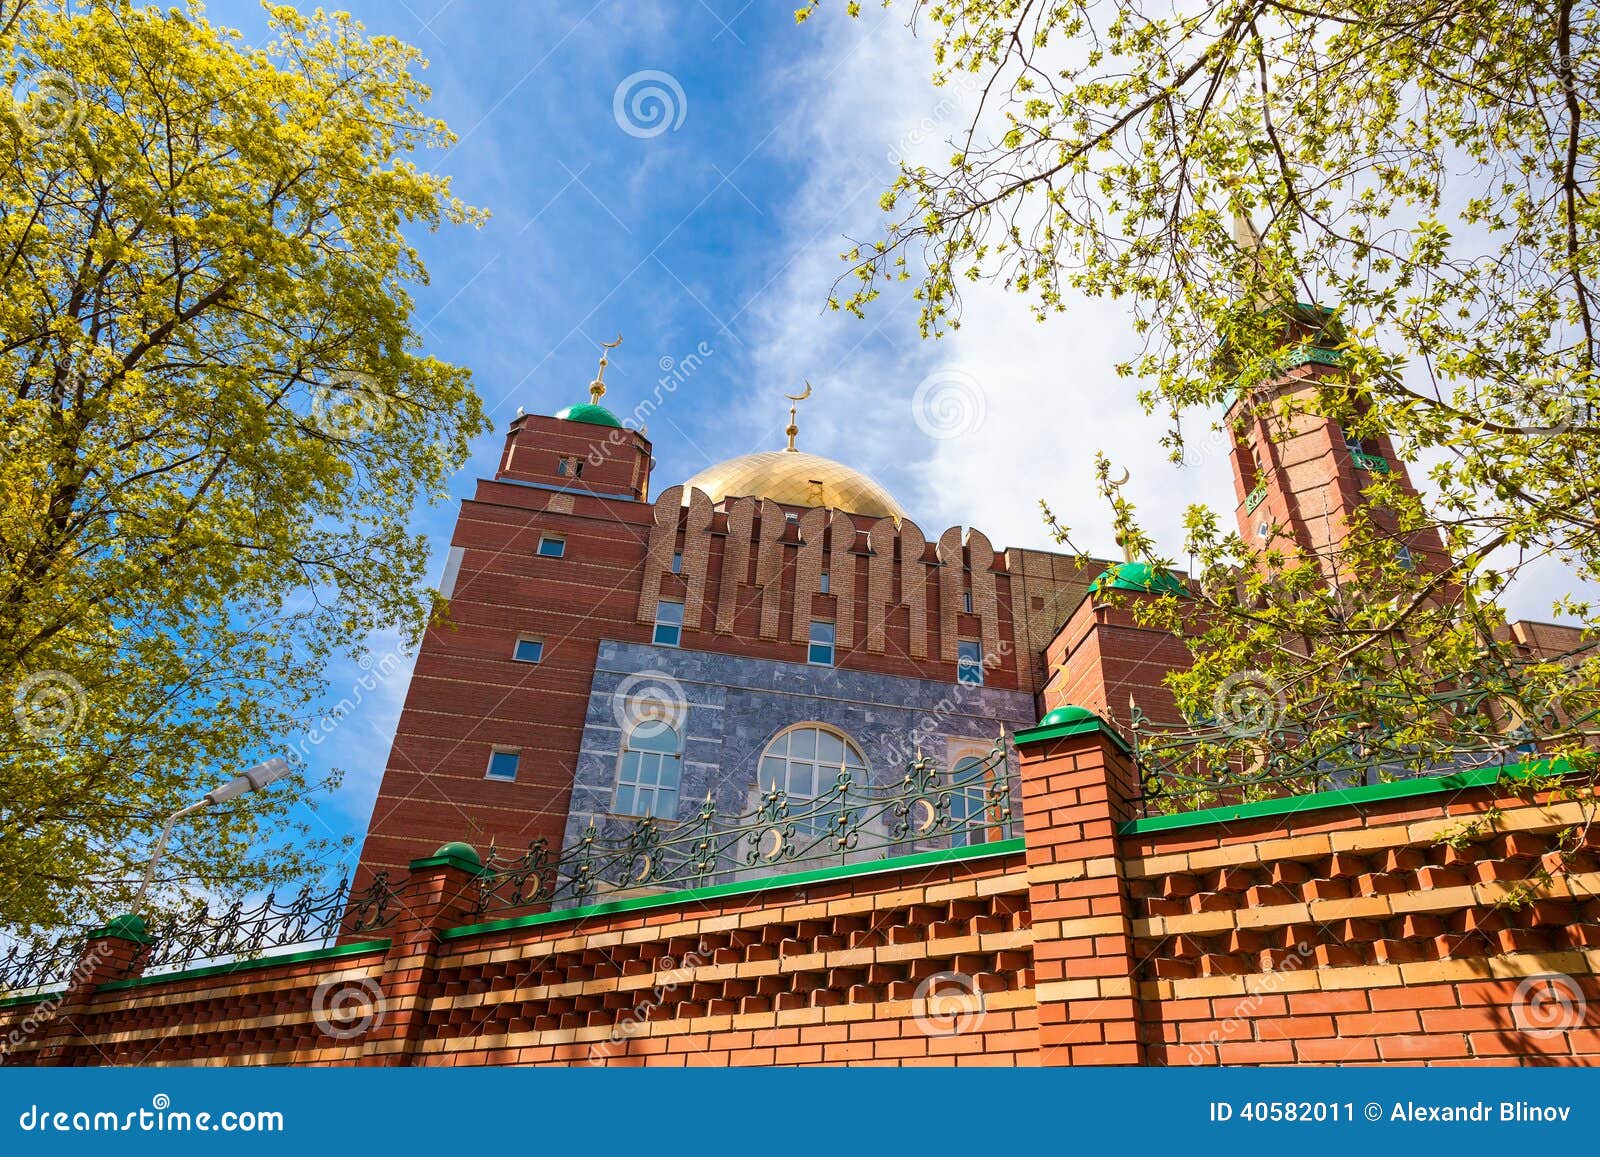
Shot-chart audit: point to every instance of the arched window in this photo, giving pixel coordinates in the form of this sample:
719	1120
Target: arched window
805	762
649	772
968	802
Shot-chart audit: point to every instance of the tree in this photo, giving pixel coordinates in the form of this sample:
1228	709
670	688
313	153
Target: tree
1426	171
217	419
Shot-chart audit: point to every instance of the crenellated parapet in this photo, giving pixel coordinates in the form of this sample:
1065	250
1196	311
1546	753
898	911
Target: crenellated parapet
770	571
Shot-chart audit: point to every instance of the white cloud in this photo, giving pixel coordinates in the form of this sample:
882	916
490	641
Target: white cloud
1048	393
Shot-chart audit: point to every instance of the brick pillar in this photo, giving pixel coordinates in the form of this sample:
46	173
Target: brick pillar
115	952
1078	781
440	893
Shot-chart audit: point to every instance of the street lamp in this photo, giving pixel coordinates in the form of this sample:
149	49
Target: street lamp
253	779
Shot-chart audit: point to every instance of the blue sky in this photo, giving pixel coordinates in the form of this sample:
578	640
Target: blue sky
722	232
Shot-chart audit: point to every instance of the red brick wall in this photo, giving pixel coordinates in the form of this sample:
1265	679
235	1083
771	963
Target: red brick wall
931	965
1345	934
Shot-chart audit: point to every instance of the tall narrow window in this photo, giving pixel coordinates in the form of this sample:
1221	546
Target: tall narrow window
822	583
649	772
669	623
677	562
968	802
966	601
552	546
820	651
528	649
969	662
503	763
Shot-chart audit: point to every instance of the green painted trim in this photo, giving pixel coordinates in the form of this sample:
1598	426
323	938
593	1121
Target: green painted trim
451	861
1062	730
1253	499
1376	463
744	887
336	952
30	998
1347	797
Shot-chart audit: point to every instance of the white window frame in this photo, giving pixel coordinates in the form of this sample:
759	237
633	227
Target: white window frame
812	643
488	769
662	760
517	646
559	539
655	631
969	672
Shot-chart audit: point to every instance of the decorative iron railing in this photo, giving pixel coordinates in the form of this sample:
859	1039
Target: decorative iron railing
198	935
847	823
1260	753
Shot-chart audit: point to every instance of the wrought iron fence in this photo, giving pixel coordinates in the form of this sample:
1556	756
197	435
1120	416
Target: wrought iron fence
198	935
1482	722
848	822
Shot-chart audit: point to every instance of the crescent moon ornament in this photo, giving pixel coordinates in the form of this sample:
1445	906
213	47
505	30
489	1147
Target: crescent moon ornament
792	429
597	388
1123	481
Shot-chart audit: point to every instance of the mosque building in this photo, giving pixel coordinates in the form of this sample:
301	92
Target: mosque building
777	622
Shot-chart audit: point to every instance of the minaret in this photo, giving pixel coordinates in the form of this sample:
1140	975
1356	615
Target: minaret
1299	477
583	448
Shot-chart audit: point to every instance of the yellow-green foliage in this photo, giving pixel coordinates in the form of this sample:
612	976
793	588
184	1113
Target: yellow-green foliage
216	419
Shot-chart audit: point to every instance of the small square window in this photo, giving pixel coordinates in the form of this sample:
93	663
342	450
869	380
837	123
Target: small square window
561	466
669	623
552	546
820	651
823	583
791	516
966	601
503	764
969	662
677	562
528	650
1402	555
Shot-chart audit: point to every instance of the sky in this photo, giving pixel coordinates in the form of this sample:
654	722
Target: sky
686	174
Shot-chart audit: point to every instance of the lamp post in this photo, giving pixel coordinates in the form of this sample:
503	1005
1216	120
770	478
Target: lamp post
253	779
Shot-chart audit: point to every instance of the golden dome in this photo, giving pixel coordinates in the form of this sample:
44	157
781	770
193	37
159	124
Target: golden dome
795	478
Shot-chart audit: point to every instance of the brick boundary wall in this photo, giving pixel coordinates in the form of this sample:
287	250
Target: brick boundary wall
1336	928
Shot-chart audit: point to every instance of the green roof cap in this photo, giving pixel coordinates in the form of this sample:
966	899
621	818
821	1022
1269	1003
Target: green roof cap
1067	714
1139	576
459	850
590	413
128	927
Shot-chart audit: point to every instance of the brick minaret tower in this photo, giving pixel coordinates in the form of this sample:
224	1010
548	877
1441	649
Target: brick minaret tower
1299	476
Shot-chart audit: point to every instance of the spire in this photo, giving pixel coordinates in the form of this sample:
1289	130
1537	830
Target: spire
1244	234
597	388
792	429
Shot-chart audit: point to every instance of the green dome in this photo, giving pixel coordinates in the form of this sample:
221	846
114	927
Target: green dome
1139	576
458	850
1067	714
129	927
589	412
